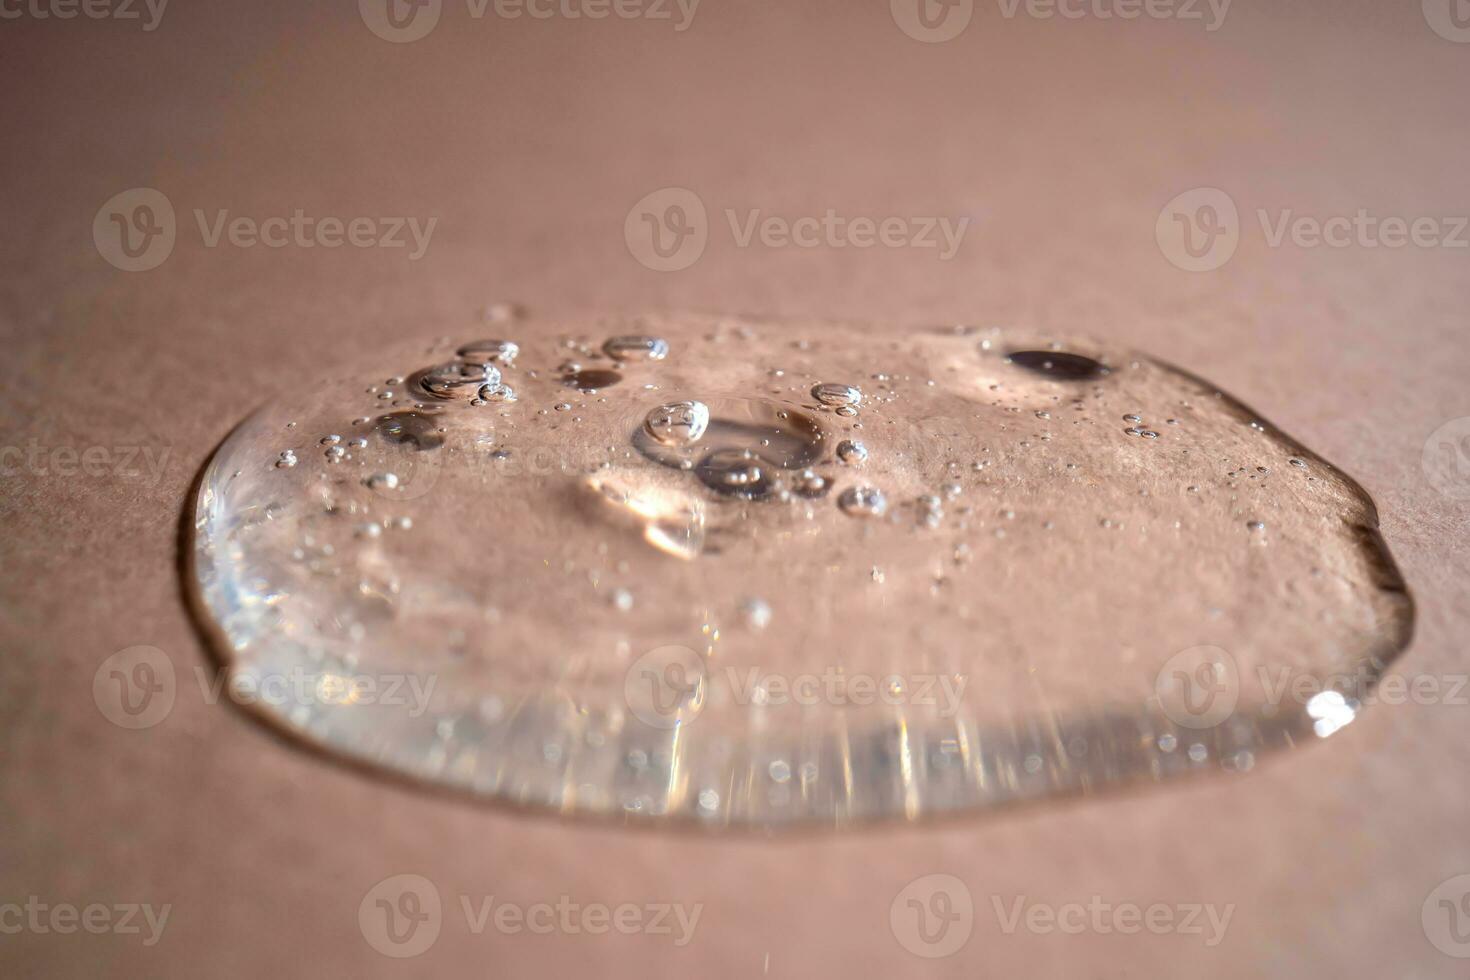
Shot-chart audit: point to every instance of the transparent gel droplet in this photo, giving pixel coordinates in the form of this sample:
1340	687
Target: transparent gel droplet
632	348
458	379
489	351
688	596
851	452
837	395
678	423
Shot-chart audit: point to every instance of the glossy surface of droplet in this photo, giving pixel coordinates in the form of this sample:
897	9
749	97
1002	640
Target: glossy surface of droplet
678	423
489	351
558	608
636	348
837	395
458	379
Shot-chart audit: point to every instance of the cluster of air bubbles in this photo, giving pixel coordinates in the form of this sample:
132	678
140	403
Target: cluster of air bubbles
863	502
810	483
735	471
931	510
1136	427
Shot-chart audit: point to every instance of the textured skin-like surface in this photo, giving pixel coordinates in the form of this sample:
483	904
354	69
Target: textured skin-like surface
531	140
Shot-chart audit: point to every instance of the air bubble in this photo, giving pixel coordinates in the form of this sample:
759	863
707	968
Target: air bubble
836	395
458	379
678	423
863	502
631	348
502	352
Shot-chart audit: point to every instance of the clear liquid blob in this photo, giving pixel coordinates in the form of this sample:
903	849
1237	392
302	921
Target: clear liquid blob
669	597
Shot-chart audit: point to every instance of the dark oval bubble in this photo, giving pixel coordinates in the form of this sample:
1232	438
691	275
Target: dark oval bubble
1058	365
737	473
591	379
409	428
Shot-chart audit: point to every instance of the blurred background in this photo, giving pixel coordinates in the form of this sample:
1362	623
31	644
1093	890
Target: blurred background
1271	194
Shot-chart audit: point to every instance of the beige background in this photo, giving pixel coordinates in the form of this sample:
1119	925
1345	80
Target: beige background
529	140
